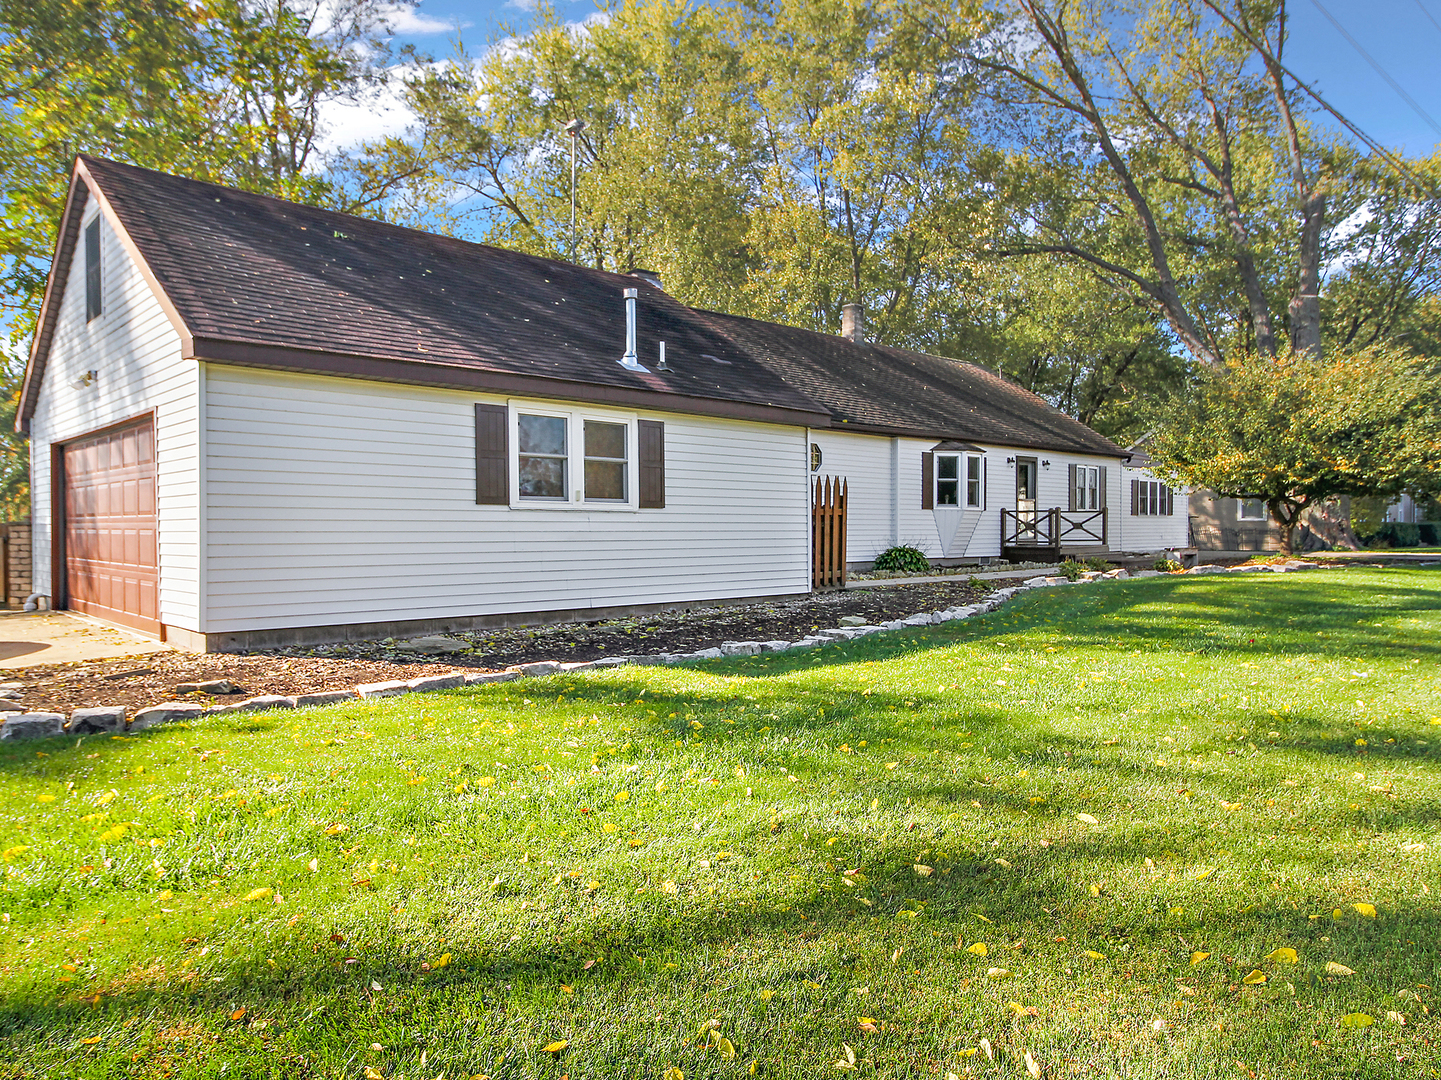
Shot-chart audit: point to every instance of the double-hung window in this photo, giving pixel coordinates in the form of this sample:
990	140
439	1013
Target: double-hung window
1150	498
1087	494
573	458
960	480
1251	509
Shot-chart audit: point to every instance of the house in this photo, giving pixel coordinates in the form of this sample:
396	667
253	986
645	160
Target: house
256	423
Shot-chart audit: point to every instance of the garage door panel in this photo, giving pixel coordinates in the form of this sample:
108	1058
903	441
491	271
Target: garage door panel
110	554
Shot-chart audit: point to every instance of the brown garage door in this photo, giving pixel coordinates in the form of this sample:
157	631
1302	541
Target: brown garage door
110	558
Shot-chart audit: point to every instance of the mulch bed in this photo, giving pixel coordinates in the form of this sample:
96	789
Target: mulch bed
140	681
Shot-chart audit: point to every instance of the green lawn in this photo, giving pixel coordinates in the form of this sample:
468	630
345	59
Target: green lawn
1085	827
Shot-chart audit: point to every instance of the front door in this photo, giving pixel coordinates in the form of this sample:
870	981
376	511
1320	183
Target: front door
1026	500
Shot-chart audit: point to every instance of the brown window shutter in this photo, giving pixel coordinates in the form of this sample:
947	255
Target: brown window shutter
928	481
1170	501
1135	496
1103	488
492	457
652	465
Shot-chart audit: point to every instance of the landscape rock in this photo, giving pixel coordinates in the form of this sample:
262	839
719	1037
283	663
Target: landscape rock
256	704
391	688
918	620
10	694
11	706
838	634
97	720
333	697
433	646
36	725
541	667
1148	573
436	682
740	648
612	661
1036	583
852	620
164	713
579	665
1208	568
706	654
479	678
775	646
213	686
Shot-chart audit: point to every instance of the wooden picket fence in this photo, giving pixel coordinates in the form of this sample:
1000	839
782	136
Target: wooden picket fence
828	534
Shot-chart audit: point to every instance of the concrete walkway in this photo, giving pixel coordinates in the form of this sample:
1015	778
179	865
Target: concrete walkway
29	638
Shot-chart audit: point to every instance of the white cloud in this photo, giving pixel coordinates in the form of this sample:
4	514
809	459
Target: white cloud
407	19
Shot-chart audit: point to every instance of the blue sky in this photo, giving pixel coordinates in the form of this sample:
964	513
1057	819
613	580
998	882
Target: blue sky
1397	33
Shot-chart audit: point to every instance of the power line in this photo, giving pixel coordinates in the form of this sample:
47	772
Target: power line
1428	15
1378	68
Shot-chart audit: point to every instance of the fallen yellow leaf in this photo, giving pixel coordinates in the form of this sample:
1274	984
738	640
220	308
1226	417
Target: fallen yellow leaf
1197	957
922	870
1333	968
90	1041
724	1047
372	1073
997	973
1365	909
1282	956
255	895
444	961
238	1013
555	1047
766	995
1357	1020
979	948
1094	955
672	1073
1087	818
1256	978
1033	1066
314	866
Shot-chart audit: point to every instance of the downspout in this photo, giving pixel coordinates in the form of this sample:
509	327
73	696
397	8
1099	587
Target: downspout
895	492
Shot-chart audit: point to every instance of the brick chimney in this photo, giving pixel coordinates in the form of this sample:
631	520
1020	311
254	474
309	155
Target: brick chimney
853	323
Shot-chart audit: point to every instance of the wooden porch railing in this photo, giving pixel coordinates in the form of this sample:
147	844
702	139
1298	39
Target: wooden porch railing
828	534
1049	529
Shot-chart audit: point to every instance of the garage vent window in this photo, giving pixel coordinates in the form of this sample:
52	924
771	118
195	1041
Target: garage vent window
92	269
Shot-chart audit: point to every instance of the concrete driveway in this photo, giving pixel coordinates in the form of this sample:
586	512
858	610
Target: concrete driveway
29	638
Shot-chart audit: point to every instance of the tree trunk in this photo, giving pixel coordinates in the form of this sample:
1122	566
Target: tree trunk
1331	522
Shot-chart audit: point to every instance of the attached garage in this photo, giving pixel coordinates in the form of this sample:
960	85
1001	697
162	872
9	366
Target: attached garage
110	564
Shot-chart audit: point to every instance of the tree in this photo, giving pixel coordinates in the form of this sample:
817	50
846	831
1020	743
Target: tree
1298	430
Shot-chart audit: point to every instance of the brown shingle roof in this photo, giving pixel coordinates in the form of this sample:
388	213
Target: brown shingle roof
869	387
257	280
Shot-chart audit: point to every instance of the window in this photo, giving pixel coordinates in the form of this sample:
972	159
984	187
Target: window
1251	510
1087	495
1151	497
605	461
975	481
948	480
958	477
92	269
544	464
561	457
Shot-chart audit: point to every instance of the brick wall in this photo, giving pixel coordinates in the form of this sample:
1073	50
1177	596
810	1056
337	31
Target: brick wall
15	538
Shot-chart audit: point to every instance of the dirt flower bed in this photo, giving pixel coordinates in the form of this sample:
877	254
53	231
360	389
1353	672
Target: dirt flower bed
137	682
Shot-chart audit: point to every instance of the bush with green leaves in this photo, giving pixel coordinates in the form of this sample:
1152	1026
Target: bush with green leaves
1166	566
1072	570
903	557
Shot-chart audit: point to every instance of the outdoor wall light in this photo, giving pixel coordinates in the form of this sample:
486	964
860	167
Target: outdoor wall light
1010	461
1045	464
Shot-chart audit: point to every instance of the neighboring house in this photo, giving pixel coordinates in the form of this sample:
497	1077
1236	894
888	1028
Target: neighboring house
255	423
1220	523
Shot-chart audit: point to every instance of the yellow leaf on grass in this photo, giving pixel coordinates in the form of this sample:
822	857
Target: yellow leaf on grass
1033	1066
255	895
1087	818
315	866
672	1073
1282	956
969	1053
1367	910
867	1024
566	989
1256	978
766	995
997	973
47	797
238	1013
10	854
1333	968
724	1047
923	870
979	948
1094	955
1357	1020
555	1047
372	1073
336	829
1197	957
90	1041
622	796
444	961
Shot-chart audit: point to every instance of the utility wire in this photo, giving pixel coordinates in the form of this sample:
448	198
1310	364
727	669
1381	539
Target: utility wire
1378	68
1428	15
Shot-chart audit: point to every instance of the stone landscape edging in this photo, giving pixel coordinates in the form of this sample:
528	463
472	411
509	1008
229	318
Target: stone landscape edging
102	719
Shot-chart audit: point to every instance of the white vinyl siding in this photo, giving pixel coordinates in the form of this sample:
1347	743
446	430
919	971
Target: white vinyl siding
336	501
134	351
1144	532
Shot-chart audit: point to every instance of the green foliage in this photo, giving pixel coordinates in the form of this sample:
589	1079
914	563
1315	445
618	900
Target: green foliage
1097	563
1301	429
1394	534
1166	566
474	861
903	558
1071	570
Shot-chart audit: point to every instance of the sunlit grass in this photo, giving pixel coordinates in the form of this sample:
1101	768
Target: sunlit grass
1087	790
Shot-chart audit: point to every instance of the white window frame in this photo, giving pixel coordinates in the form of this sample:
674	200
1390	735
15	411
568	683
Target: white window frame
1241	514
575	418
1088	488
966	503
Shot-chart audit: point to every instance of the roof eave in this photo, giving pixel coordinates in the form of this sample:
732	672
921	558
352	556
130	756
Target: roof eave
960	436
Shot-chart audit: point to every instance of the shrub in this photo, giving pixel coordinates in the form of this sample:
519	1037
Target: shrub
1397	534
905	558
1098	564
1071	570
1166	566
1430	532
